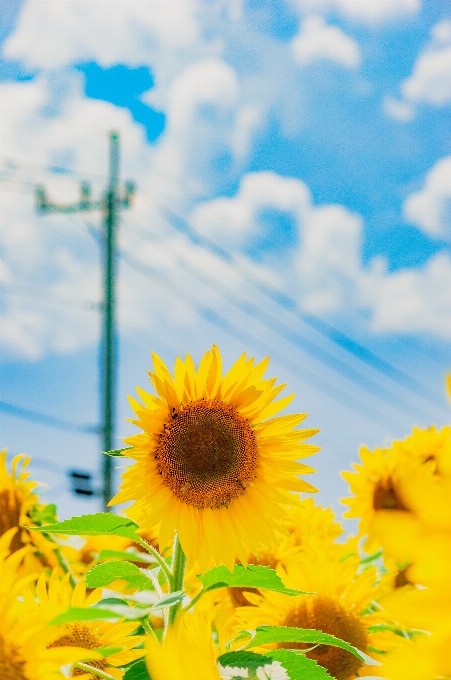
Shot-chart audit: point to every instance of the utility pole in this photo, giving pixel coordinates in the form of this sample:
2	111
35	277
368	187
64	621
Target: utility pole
110	204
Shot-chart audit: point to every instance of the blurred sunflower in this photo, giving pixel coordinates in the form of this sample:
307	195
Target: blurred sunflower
17	504
212	462
379	483
56	597
338	607
25	637
427	656
187	652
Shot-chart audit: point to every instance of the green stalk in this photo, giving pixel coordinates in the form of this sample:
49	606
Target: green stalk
94	671
178	575
65	566
158	558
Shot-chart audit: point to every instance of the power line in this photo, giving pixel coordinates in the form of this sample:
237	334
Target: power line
295	338
43	419
212	316
37	296
289	304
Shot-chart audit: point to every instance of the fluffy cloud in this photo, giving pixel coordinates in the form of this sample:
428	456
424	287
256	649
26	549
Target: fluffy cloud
326	270
72	31
368	11
318	41
430	81
430	208
411	300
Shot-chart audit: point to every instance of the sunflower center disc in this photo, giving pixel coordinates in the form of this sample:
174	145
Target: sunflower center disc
11	667
10	517
207	454
326	614
386	496
80	635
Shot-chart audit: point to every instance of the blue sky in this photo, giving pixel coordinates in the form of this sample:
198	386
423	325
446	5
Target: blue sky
309	138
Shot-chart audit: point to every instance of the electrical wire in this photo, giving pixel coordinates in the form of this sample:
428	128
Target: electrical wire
214	318
295	338
51	421
288	303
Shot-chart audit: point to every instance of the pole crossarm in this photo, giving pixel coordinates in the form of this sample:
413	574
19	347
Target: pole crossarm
112	202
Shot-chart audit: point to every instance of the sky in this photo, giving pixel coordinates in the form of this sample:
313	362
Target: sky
292	160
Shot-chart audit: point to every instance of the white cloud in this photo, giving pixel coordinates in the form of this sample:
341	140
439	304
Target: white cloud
399	110
317	40
430	208
367	11
63	33
412	300
326	270
430	82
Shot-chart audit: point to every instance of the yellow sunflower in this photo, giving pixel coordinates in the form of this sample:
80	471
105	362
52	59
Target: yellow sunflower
213	463
56	597
17	501
341	595
378	483
25	637
427	611
308	525
187	652
422	537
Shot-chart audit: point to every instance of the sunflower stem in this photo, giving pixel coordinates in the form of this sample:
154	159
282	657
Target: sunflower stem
148	628
158	557
65	566
178	575
94	671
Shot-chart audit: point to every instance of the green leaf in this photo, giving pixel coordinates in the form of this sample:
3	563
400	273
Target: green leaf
107	572
269	634
100	524
243	659
43	515
168	600
137	671
297	666
127	612
118	453
130	555
255	576
83	614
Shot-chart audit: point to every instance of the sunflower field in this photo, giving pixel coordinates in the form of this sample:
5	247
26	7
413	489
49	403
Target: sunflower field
222	566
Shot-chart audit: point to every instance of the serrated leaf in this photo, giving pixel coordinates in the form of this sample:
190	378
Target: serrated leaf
131	556
297	666
243	659
119	453
83	614
269	634
107	572
254	576
138	671
127	612
100	524
168	600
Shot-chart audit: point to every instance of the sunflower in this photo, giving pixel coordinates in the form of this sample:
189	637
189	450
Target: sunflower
187	652
25	637
341	596
421	538
212	462
428	655
17	502
378	483
56	597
